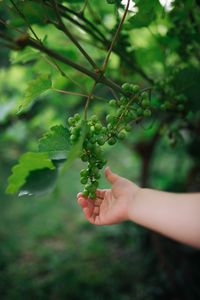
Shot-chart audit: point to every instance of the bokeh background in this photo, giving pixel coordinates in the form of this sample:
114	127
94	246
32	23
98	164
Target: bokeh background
47	248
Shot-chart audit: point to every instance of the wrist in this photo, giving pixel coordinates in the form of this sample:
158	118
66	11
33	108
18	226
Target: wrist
135	203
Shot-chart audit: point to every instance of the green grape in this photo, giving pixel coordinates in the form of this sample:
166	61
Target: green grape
135	88
84	157
110	126
85	193
147	113
145	103
113	103
145	95
71	121
77	117
128	127
98	127
97	176
121	135
94	118
101	140
73	138
92	195
127	87
112	141
84	180
84	172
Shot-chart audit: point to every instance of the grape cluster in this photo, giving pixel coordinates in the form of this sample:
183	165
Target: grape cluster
132	106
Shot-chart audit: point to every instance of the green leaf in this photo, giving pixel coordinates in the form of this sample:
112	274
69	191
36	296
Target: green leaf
56	142
24	56
35	88
39	182
28	162
146	14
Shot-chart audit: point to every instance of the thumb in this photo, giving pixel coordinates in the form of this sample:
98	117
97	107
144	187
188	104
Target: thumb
111	177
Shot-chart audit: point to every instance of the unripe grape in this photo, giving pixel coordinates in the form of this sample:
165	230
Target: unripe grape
97	176
126	87
84	172
145	95
77	117
98	127
113	102
101	140
112	141
92	195
84	180
85	193
71	121
121	135
94	118
73	138
110	126
135	88
128	127
145	103
84	157
147	113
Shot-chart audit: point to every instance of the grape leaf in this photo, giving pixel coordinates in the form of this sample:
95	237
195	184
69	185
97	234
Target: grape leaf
56	142
39	182
35	88
146	14
28	162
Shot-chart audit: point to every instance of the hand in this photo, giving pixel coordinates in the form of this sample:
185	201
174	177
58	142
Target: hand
110	206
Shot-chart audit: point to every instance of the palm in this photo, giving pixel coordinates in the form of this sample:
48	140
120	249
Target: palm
105	209
110	206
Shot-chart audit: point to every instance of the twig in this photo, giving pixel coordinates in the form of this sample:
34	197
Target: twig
63	28
69	93
81	12
25	19
115	38
89	99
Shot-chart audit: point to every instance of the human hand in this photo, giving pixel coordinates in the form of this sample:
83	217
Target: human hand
111	206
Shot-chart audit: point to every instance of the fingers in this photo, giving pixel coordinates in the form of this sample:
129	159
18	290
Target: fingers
111	177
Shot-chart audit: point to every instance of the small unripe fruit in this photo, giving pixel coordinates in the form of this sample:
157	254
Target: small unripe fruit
112	141
127	87
121	135
147	113
135	88
71	121
77	117
113	102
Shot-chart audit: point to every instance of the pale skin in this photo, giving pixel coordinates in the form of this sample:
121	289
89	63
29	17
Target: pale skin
174	215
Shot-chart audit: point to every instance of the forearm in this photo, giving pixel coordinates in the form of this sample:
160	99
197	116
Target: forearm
174	215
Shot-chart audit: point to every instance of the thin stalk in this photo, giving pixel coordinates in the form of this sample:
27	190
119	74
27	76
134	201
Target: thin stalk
64	29
115	37
25	19
69	93
89	99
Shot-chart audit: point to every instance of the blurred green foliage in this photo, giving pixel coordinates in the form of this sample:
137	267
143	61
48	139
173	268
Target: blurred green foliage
47	249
